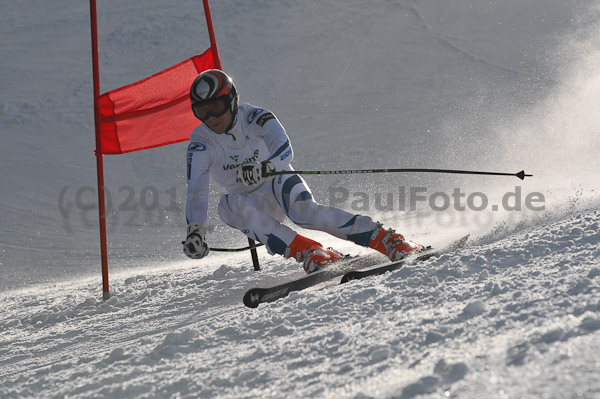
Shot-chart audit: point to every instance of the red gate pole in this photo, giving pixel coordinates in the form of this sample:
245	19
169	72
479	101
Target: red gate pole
99	155
211	34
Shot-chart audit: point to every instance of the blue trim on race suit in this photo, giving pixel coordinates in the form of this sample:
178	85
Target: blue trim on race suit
350	222
276	244
227	201
286	190
288	186
273	189
285	146
363	239
304	196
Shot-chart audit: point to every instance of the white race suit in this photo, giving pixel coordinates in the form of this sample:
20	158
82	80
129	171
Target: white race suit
259	210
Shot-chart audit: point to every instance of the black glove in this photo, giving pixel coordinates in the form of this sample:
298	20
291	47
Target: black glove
254	172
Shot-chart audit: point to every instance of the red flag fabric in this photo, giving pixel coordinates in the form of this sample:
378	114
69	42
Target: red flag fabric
153	112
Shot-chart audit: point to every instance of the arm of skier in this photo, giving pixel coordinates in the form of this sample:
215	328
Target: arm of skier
268	127
198	178
277	141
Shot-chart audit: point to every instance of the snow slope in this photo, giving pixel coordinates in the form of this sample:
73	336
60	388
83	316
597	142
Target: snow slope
458	84
517	318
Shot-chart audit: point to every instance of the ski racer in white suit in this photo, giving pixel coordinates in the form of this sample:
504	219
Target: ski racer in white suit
239	146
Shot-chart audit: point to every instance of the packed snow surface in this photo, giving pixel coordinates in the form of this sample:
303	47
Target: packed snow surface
517	317
460	84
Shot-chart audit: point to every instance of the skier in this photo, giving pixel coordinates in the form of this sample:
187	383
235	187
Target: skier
239	145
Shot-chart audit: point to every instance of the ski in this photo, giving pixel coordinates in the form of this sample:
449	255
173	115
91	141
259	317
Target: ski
256	296
349	268
388	267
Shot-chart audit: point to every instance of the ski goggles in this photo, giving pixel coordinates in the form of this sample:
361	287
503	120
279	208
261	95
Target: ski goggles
214	108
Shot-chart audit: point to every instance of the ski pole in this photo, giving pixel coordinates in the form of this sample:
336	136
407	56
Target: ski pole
252	247
236	249
521	175
254	254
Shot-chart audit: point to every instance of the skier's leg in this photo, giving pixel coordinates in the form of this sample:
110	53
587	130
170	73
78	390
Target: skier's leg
260	219
295	198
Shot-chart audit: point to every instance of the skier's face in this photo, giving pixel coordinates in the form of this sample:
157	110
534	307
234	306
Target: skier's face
219	124
216	113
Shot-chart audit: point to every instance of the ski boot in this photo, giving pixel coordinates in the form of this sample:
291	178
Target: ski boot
392	244
311	253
